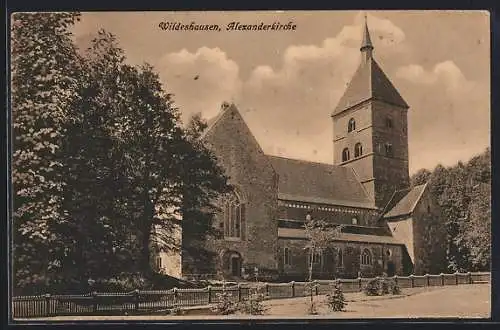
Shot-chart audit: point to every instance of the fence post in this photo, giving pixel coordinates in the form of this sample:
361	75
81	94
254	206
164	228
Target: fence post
360	284
412	281
395	277
176	303
267	289
94	301
209	289
469	277
47	304
428	283
442	279
456	277
292	284
316	286
239	292
136	299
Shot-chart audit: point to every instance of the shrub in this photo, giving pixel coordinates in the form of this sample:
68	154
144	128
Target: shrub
176	311
382	286
373	288
254	303
336	300
395	288
224	304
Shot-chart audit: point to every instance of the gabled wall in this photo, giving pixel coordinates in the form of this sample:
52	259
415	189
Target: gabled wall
250	171
429	232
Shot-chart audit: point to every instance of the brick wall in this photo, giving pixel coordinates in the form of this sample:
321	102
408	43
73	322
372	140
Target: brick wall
429	231
333	214
249	170
330	268
380	175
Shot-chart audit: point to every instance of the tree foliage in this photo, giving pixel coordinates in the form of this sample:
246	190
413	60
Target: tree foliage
464	191
103	167
44	71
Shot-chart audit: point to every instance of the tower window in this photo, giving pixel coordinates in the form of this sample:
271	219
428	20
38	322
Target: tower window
345	155
388	150
340	258
388	122
366	257
351	126
358	150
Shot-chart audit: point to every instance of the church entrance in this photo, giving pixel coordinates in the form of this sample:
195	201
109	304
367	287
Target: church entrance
391	268
235	266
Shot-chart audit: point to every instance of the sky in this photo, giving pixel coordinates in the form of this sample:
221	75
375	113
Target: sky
287	83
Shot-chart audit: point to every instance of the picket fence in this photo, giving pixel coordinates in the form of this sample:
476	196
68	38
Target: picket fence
139	301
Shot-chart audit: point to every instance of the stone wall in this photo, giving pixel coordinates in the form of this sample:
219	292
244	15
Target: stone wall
380	175
330	267
250	171
429	231
292	210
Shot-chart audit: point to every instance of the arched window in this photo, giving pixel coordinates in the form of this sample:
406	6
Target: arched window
340	258
388	122
351	126
354	221
234	215
345	155
358	150
366	257
388	150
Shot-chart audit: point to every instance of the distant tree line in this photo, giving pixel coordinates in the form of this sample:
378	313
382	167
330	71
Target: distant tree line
464	193
100	159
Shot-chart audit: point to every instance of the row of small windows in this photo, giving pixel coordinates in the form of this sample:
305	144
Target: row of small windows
321	208
365	257
351	125
358	151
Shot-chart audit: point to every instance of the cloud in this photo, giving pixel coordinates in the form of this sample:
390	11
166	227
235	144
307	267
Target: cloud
449	114
201	80
293	103
288	106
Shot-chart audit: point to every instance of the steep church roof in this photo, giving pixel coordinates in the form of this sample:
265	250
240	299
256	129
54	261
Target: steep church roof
403	202
320	183
369	82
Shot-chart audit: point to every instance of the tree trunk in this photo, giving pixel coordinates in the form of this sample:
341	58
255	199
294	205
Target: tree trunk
145	265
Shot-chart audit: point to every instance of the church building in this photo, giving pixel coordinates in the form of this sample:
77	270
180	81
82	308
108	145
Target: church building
388	226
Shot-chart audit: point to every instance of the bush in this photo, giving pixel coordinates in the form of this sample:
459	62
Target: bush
382	286
373	288
254	303
336	300
224	305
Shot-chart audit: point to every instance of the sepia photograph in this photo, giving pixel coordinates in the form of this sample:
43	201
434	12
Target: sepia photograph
237	165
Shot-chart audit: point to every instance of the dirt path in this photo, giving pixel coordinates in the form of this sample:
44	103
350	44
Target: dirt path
463	301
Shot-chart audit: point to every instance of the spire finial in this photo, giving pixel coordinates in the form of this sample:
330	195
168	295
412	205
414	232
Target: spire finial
366	45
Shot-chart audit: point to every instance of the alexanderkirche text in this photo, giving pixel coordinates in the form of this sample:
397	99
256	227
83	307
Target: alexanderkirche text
232	26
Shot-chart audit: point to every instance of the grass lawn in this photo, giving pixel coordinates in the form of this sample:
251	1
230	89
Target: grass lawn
463	301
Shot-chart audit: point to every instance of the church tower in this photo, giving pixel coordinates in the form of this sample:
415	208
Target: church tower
370	130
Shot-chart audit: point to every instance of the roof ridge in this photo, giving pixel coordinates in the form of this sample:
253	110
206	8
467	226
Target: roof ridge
419	196
301	160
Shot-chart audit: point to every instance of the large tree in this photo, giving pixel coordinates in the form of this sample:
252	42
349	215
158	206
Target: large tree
44	68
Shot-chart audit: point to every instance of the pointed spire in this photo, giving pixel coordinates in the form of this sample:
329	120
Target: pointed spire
366	45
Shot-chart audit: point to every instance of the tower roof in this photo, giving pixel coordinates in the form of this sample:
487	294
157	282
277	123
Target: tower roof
369	82
367	41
